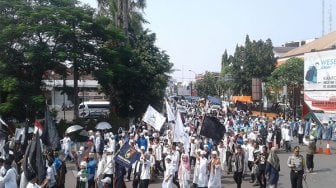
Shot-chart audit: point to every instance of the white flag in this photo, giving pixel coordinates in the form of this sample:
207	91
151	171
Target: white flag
179	129
180	134
153	118
170	113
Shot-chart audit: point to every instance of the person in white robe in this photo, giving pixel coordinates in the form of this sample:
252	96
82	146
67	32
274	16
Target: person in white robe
222	154
184	171
196	169
215	171
203	171
67	147
168	174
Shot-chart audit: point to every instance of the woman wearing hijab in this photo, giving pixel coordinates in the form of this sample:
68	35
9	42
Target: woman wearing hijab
184	171
273	168
215	171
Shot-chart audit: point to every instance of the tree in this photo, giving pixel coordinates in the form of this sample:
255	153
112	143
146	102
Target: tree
289	74
37	36
211	85
253	60
137	80
126	14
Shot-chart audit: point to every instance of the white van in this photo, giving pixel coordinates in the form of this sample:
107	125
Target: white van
93	109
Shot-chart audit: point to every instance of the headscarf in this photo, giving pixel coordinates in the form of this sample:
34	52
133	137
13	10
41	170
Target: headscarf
184	164
273	159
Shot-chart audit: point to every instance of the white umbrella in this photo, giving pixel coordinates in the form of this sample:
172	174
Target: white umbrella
73	128
103	126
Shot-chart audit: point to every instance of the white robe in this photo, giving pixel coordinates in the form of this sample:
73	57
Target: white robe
215	177
169	172
184	177
222	156
196	171
203	173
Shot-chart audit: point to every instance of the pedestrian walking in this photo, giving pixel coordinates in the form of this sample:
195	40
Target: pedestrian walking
215	171
311	149
168	174
239	166
273	168
184	171
297	165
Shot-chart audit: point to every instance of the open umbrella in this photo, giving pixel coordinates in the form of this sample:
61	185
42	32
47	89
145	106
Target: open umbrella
103	126
73	128
79	136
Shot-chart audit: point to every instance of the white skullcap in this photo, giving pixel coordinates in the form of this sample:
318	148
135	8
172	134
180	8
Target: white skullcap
142	148
214	152
83	164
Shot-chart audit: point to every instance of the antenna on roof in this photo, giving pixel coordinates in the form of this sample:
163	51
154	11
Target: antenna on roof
330	16
322	17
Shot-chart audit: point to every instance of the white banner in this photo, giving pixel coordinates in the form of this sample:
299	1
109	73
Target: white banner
170	114
180	135
320	71
153	118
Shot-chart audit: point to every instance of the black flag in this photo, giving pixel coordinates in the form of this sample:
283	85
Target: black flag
34	163
212	128
50	135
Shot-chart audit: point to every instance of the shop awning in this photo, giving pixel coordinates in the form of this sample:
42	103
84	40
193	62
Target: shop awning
241	99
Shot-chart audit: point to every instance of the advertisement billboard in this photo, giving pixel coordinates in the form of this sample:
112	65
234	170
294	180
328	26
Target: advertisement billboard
320	71
320	81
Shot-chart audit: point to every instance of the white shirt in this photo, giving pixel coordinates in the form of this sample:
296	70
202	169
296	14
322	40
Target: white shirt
192	149
51	176
250	150
158	152
10	178
145	170
175	160
109	165
31	185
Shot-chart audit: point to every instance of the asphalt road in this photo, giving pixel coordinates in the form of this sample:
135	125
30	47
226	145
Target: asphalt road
323	176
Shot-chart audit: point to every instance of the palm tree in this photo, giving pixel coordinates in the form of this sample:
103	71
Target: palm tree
125	13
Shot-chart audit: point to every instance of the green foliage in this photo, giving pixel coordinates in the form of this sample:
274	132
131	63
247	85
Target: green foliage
253	60
290	74
211	85
39	35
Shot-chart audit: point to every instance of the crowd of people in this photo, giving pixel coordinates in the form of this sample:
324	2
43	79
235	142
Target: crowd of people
249	148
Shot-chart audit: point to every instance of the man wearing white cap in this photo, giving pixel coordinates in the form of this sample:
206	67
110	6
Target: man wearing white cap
108	170
145	171
196	169
168	174
158	155
222	154
192	151
215	171
203	171
175	160
111	142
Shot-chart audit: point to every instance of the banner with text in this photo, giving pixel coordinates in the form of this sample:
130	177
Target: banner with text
320	71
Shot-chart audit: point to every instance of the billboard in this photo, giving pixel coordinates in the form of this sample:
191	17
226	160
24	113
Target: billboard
320	80
320	71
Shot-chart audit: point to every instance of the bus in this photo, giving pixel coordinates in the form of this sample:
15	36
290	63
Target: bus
94	109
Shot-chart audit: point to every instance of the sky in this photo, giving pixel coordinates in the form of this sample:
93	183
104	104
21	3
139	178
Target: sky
195	33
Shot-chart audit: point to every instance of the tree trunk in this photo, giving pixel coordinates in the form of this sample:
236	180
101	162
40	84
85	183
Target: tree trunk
125	11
